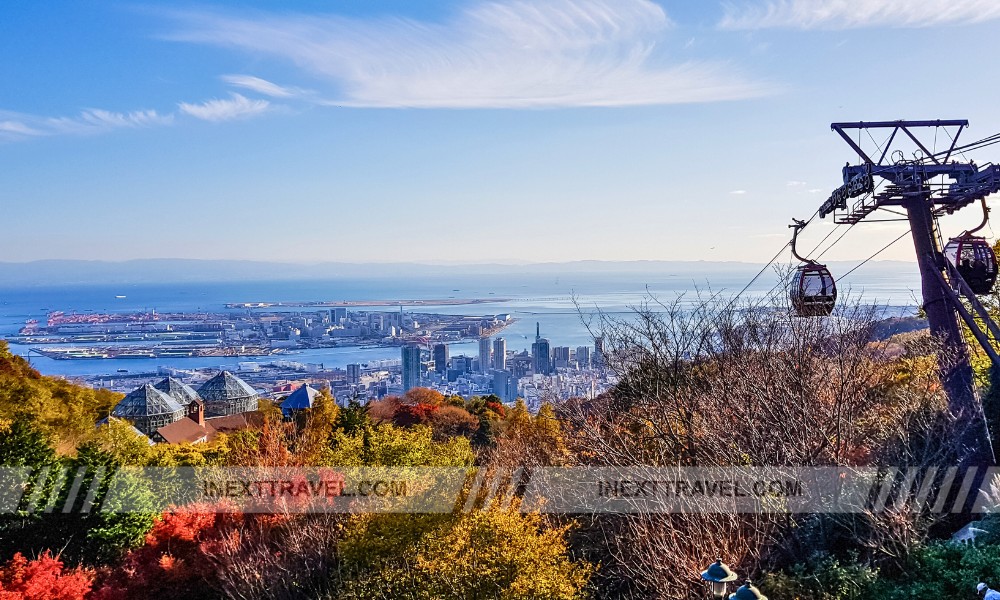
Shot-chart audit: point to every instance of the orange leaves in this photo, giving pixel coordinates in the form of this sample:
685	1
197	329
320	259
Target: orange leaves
420	395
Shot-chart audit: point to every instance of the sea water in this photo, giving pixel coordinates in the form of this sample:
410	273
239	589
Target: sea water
561	305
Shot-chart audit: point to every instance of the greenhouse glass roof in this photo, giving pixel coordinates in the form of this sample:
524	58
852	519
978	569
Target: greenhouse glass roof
144	402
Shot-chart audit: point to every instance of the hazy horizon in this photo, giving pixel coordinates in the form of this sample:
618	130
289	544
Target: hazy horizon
59	272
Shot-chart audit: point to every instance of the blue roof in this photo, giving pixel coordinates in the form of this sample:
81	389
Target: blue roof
300	399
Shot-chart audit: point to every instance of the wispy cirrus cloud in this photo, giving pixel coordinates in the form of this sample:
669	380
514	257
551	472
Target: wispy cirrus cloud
264	87
236	106
502	54
95	119
849	14
20	126
15	126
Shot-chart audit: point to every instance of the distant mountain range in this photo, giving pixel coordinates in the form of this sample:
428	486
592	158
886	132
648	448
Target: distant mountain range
61	272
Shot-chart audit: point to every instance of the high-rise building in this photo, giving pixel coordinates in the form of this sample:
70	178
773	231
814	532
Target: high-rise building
339	315
560	356
541	357
441	358
411	367
499	354
598	359
520	364
504	385
484	355
353	373
462	363
583	357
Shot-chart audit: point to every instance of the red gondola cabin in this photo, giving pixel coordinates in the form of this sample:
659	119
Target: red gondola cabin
976	263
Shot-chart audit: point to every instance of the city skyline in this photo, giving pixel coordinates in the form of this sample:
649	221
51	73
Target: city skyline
357	132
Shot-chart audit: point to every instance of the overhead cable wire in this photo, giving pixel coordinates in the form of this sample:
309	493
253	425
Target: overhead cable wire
761	272
831	232
836	241
769	263
879	251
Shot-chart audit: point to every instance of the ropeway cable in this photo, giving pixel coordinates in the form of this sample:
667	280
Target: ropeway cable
879	251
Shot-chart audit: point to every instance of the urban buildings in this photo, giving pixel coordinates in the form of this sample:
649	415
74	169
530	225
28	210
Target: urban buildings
560	357
484	355
354	373
541	358
541	355
441	358
411	367
504	385
583	357
500	354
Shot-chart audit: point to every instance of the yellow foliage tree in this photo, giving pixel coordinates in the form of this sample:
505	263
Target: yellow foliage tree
497	553
66	411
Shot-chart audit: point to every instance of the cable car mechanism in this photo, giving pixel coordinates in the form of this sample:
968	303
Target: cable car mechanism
813	291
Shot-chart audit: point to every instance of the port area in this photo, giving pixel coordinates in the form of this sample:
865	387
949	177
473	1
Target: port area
140	352
243	331
367	303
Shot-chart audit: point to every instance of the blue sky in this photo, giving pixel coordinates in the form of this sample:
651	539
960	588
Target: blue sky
510	130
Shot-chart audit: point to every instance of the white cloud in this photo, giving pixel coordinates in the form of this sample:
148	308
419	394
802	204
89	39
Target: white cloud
738	192
502	54
95	120
262	86
18	126
815	190
236	107
848	14
13	128
796	183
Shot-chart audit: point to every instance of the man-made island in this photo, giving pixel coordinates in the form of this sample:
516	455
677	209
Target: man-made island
243	332
366	303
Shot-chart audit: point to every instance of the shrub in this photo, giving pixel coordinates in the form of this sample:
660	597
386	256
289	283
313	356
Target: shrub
43	578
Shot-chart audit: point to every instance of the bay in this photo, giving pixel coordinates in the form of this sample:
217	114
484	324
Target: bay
560	303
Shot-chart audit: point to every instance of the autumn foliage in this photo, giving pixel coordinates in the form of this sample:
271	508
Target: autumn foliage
174	562
44	578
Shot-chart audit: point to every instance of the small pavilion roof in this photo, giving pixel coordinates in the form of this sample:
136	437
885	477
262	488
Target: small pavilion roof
300	399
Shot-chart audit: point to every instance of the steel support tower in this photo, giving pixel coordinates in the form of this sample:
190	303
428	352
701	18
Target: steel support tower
926	186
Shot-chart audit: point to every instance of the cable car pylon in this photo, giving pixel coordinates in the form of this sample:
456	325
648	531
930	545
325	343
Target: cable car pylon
929	185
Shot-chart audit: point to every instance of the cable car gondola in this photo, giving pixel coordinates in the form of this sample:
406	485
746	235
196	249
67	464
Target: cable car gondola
813	292
974	258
